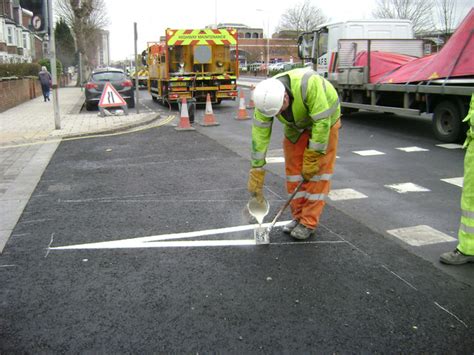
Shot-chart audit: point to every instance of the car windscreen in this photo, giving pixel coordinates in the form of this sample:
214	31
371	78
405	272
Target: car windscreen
108	76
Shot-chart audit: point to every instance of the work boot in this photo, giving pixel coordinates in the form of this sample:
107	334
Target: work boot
301	232
287	228
456	258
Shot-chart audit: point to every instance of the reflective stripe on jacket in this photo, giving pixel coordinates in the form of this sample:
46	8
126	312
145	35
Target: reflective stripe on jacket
315	107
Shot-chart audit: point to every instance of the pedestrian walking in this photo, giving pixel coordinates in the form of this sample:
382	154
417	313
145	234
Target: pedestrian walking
45	80
308	107
464	252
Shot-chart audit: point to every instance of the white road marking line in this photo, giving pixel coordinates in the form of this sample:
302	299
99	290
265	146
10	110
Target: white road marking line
459	181
150	242
271	160
420	235
450	313
412	149
399	277
450	146
407	187
345	194
367	153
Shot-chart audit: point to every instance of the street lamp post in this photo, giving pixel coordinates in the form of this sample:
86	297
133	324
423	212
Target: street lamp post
52	61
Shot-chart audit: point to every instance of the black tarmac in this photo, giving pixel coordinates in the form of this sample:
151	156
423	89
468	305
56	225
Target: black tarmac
347	290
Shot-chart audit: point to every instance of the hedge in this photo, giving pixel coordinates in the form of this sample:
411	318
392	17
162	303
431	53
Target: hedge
45	62
19	70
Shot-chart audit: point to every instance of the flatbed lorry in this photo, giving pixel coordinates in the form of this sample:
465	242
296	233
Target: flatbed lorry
438	87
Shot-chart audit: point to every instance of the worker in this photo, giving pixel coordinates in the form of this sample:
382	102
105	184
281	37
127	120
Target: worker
464	253
308	106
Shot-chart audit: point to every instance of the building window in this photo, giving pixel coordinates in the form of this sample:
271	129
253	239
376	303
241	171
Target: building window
255	35
25	40
19	37
2	24
10	36
247	35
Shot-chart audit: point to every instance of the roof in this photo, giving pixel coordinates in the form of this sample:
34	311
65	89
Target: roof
380	20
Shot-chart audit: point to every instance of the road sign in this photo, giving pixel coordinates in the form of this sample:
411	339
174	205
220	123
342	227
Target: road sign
110	97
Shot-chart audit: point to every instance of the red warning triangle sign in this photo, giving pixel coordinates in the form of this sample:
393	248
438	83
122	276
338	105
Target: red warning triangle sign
110	97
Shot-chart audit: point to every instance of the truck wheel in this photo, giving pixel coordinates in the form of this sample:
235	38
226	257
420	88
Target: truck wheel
447	122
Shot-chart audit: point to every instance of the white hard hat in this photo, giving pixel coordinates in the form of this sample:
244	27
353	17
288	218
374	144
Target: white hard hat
268	96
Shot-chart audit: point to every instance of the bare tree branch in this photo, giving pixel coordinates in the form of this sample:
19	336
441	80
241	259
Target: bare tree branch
86	18
418	11
303	17
446	11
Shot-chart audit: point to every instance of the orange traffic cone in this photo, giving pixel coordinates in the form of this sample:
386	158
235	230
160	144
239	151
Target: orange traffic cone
184	124
209	118
242	113
251	104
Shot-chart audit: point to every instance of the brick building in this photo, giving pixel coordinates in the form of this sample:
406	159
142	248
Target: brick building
19	42
253	45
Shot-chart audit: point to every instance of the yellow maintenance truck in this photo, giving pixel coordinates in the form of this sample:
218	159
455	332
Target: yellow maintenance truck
192	63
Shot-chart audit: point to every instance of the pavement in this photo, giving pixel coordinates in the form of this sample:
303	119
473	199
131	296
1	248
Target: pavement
28	140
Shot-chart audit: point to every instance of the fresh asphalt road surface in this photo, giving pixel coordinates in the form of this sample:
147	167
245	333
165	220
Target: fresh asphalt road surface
126	245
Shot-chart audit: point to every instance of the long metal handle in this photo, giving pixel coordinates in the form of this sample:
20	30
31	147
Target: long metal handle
269	228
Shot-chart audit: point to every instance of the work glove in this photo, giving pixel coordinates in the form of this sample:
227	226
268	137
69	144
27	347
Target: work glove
310	164
255	183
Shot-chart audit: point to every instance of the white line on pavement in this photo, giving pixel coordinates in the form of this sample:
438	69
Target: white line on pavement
420	235
449	146
407	187
367	153
412	149
151	242
459	181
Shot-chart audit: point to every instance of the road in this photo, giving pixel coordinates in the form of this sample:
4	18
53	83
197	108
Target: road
137	243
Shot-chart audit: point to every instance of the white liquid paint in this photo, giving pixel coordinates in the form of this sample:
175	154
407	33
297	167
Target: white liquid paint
258	209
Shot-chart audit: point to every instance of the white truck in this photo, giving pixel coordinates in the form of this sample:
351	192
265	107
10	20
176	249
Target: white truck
438	86
322	45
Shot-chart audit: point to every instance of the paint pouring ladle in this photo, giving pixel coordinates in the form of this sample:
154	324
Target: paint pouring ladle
262	234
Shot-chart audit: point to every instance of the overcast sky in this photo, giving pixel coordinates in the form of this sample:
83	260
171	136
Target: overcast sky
153	17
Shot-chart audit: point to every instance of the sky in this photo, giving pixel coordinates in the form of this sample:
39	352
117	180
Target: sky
153	17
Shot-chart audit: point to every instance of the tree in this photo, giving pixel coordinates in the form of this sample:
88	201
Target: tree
418	11
304	17
65	48
446	11
86	18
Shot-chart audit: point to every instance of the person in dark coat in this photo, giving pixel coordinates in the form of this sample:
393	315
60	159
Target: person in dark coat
45	80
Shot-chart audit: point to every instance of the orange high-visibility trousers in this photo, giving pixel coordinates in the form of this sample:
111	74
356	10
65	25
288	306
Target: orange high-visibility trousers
308	203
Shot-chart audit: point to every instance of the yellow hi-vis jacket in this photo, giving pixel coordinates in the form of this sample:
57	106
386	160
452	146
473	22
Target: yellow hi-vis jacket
314	106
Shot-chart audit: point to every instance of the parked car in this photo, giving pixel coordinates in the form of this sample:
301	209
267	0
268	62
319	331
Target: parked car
96	83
